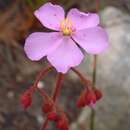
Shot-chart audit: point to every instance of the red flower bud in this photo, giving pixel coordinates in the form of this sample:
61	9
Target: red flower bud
98	94
47	107
81	100
62	124
88	97
26	100
52	116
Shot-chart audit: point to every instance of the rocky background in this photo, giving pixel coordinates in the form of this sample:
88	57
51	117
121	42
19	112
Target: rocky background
17	72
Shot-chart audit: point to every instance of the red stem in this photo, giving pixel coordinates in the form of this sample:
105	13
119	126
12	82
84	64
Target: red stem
45	95
87	83
42	73
45	124
58	86
55	95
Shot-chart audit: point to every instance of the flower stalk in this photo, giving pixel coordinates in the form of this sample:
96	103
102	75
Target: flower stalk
87	83
55	95
92	116
58	86
87	34
42	74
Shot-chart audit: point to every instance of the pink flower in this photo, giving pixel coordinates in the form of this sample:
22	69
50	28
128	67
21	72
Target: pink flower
61	47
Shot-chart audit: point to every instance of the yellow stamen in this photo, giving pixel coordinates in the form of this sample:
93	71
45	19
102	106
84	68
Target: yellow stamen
66	27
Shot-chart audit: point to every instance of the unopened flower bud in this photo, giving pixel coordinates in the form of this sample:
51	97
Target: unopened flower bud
62	124
47	107
52	116
98	94
81	101
88	97
26	100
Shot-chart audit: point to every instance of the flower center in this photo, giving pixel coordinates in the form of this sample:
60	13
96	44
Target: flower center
66	27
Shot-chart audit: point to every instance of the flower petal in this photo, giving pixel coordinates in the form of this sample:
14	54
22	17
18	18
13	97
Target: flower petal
38	44
83	20
50	15
67	55
93	40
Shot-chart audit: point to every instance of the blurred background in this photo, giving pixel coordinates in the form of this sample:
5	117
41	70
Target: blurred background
17	72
